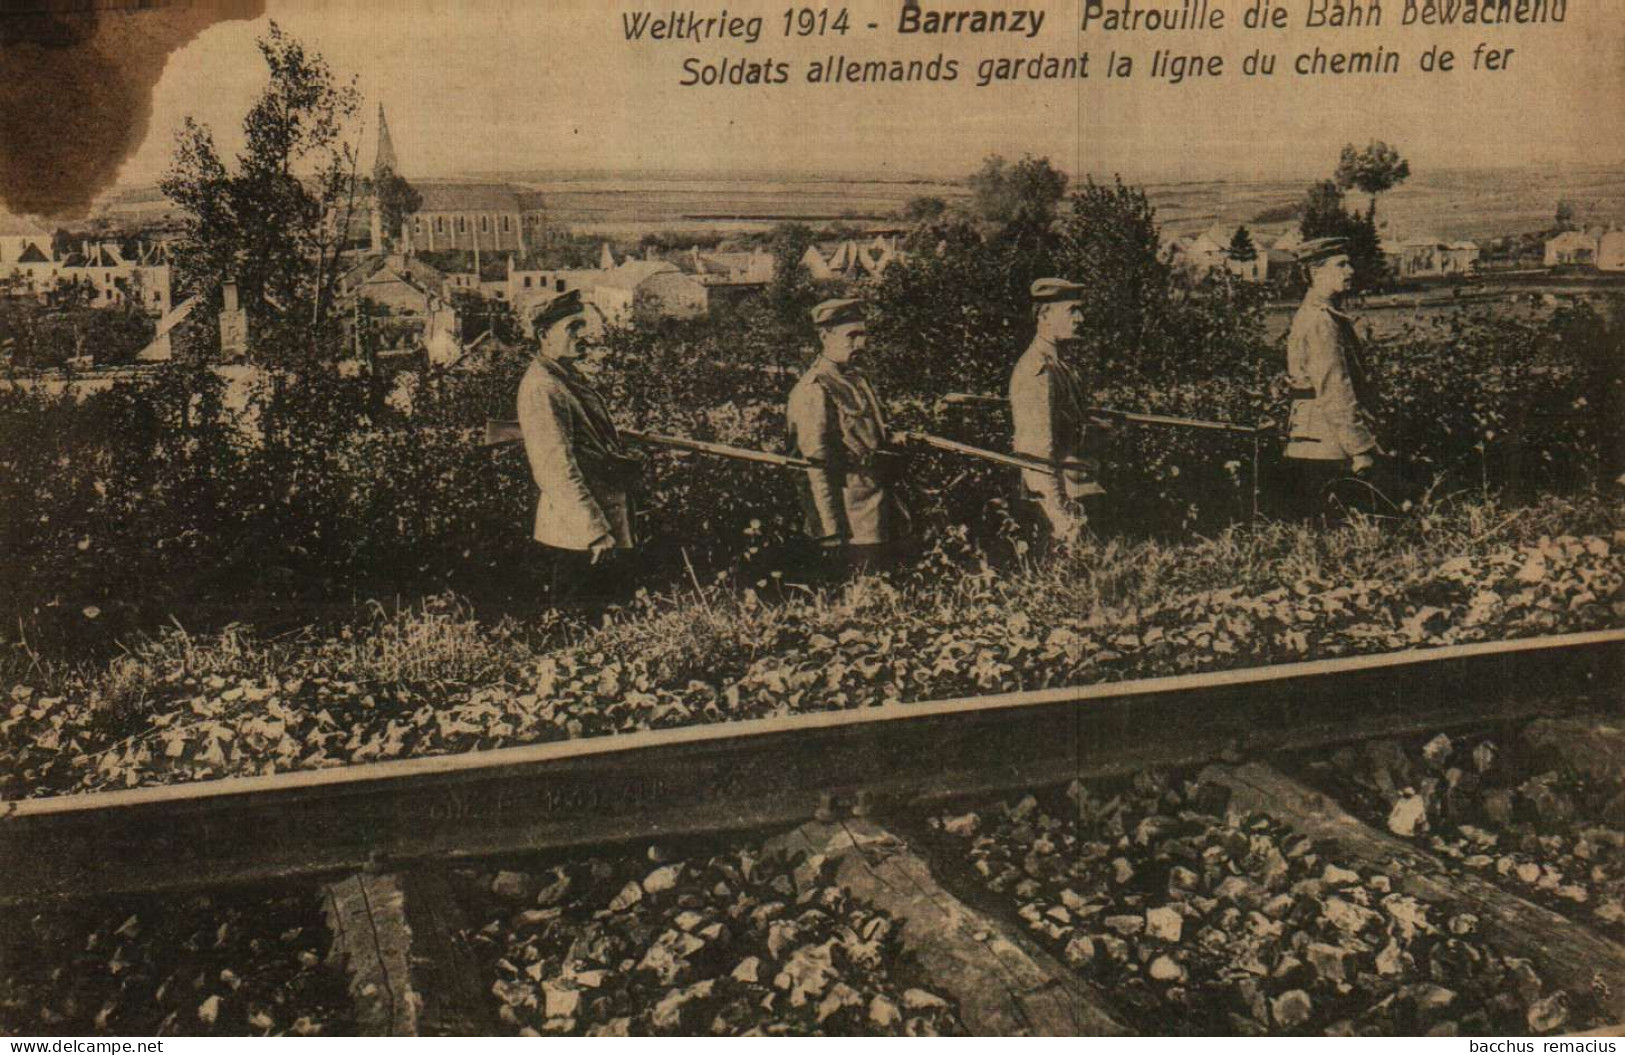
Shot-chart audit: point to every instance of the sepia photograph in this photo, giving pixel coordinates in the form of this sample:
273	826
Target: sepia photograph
866	518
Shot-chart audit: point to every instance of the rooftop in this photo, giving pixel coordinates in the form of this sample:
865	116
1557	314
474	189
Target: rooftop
476	196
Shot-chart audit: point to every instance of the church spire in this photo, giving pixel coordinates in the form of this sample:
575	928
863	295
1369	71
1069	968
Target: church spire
385	161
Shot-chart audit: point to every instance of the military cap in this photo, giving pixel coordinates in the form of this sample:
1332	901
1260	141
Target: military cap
1046	290
835	312
560	307
1317	250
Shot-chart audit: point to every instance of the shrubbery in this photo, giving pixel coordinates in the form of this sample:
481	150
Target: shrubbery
178	708
37	336
169	493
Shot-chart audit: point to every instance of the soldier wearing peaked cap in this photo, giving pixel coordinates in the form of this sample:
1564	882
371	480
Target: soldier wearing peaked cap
584	473
1047	407
1328	436
836	420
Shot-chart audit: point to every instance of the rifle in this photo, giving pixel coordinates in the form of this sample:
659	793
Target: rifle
1108	417
499	432
1014	461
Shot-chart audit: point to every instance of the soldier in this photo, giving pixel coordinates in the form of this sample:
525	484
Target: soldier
583	515
835	419
1047	407
1327	436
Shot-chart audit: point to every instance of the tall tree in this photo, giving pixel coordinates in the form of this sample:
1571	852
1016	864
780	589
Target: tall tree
1374	170
395	199
1241	248
1110	242
924	209
1325	217
276	220
792	288
1028	191
1565	218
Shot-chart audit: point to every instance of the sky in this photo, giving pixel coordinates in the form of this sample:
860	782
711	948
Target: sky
483	85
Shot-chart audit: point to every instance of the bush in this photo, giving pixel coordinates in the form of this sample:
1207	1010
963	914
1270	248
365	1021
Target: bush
177	491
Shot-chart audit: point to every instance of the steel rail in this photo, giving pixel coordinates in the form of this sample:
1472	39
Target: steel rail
715	778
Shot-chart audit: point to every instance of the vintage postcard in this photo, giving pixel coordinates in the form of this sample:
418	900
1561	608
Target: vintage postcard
854	518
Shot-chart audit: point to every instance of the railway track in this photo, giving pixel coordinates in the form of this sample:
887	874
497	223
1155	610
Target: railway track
376	836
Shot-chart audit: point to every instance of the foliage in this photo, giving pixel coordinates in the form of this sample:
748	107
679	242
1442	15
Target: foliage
432	681
38	337
952	318
395	199
275	221
303	484
479	315
924	209
1534	413
1026	192
672	241
1373	170
1241	246
1279	213
1564	220
1109	241
792	293
1325	217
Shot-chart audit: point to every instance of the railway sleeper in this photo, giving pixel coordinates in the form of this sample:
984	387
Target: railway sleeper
401	938
1005	984
1565	952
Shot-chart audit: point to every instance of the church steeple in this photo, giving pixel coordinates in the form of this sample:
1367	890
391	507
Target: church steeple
385	160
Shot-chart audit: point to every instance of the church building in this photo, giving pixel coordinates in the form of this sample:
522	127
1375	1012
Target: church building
460	214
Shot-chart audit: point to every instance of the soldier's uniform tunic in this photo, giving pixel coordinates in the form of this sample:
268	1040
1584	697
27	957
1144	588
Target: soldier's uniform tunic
580	466
1047	408
835	419
1327	380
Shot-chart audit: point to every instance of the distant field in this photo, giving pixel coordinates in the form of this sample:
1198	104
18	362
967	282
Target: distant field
1447	205
1466	204
635	206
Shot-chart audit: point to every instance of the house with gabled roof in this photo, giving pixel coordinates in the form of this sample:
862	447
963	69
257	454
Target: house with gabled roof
1210	251
107	277
19	235
850	258
1572	248
399	283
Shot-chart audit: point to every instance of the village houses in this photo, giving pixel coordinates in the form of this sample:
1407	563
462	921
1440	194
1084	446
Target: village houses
31	266
1430	256
1598	247
851	259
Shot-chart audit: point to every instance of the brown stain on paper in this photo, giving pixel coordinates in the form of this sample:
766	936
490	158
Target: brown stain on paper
76	83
